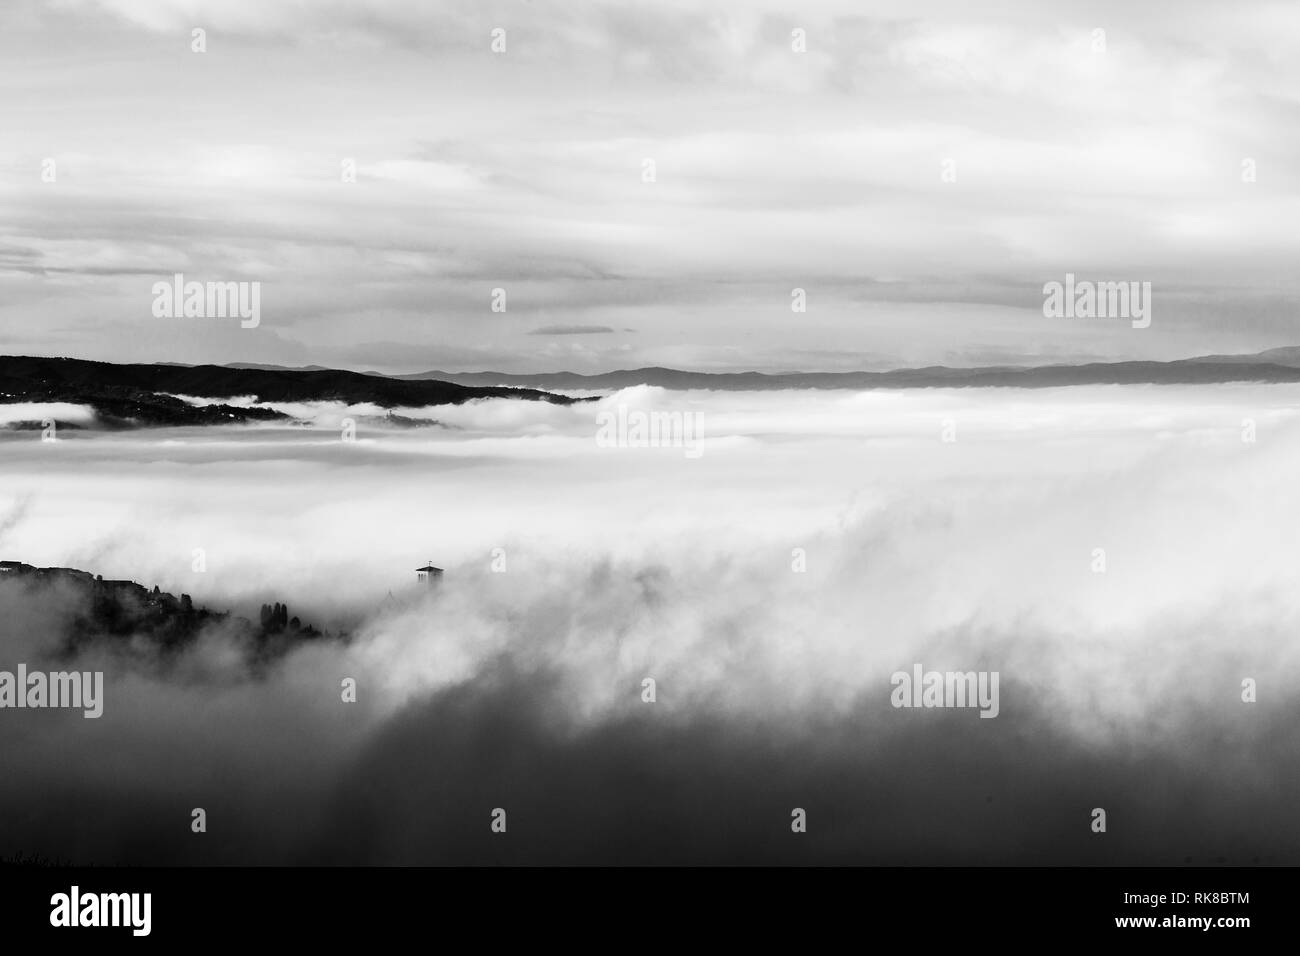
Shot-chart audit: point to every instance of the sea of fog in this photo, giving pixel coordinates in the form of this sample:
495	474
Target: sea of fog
1123	556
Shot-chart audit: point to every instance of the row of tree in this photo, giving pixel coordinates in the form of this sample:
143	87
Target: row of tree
275	617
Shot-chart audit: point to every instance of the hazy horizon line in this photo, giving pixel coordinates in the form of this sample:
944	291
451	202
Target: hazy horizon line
738	370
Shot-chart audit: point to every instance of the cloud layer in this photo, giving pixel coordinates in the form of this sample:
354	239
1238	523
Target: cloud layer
575	572
525	171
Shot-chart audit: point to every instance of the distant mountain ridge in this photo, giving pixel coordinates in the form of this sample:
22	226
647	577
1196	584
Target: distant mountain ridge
1274	365
140	394
144	394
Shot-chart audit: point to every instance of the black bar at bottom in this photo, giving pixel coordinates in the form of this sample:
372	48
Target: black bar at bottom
330	906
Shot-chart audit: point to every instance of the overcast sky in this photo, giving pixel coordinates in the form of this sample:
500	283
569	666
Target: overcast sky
523	170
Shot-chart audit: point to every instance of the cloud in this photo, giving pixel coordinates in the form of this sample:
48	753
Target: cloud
12	413
818	170
521	688
572	330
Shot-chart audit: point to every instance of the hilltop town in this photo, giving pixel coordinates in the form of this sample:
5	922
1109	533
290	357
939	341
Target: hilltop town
126	609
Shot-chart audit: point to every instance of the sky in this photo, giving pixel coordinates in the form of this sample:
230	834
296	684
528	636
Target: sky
920	170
